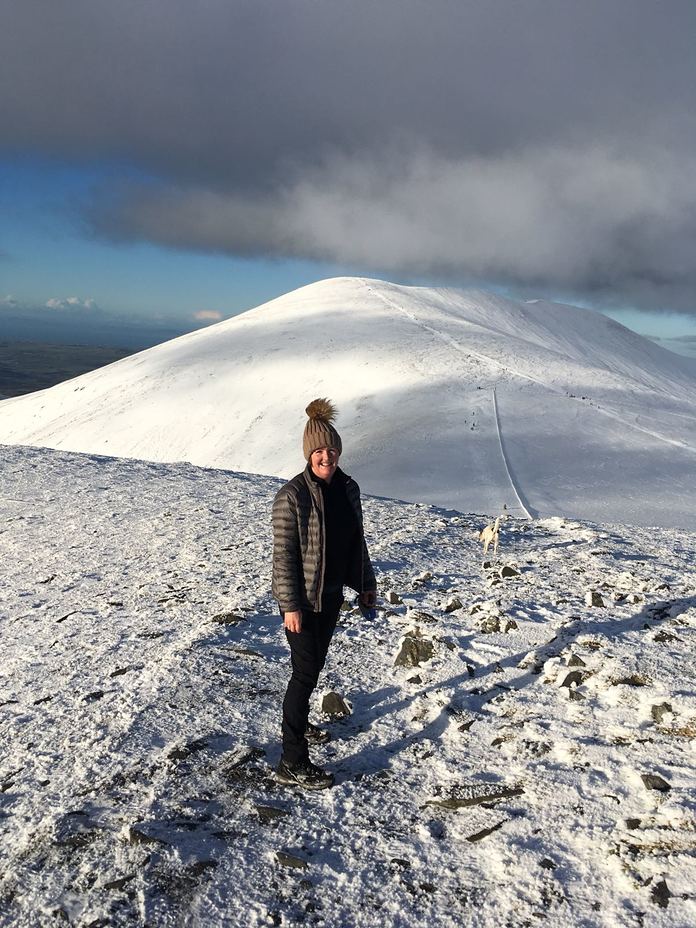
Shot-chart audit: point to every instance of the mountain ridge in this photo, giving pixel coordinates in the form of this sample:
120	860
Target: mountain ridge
599	423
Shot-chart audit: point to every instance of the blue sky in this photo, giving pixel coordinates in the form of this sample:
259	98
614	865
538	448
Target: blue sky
166	165
49	255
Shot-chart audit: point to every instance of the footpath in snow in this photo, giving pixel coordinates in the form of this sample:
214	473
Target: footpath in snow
519	750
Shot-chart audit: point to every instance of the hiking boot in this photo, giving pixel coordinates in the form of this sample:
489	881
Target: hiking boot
305	774
316	735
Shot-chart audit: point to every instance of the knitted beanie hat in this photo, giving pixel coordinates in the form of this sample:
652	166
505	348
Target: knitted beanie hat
319	432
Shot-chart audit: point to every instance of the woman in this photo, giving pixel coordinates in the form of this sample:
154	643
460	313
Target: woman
318	547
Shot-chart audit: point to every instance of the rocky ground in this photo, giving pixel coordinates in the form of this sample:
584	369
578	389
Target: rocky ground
518	745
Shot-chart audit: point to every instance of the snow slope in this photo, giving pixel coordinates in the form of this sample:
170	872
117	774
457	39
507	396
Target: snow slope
458	398
537	768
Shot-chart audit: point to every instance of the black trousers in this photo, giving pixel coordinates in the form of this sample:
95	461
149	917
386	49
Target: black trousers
308	649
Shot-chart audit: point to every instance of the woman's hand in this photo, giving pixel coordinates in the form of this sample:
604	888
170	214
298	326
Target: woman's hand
293	621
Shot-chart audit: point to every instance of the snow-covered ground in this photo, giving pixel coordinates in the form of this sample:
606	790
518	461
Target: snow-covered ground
538	767
457	398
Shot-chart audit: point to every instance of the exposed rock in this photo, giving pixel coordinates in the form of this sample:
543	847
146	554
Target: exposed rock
66	616
140	833
393	598
510	625
488	624
228	618
453	604
269	814
400	862
479	835
425	617
290	860
246	652
181	752
547	864
75	830
655	781
507	571
416	678
659	712
575	661
659	611
593	598
575	677
93	697
663	636
425	577
466	725
414	650
235	761
200	867
536	748
335	706
127	669
474	794
633	679
632	823
120	882
660	894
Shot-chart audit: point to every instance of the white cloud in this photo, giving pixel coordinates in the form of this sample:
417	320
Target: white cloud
589	219
207	315
71	303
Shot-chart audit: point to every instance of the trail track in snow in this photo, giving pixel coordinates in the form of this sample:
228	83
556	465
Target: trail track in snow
453	343
530	513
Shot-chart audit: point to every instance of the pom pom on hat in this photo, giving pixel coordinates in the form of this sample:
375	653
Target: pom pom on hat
321	409
319	432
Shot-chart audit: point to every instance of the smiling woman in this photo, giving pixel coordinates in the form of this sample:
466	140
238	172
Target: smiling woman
318	547
324	462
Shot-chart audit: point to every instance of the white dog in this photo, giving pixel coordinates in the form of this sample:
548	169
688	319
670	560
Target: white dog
491	533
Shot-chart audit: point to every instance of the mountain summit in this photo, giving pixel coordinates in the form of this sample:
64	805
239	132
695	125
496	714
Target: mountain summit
458	398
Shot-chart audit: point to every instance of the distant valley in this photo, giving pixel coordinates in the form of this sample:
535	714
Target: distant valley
29	366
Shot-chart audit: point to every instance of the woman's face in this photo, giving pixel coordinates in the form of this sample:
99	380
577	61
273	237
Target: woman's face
324	462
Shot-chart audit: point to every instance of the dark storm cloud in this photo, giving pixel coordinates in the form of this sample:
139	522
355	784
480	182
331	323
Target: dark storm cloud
538	142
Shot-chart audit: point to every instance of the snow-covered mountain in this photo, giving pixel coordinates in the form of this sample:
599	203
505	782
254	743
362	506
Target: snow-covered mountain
530	763
459	398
